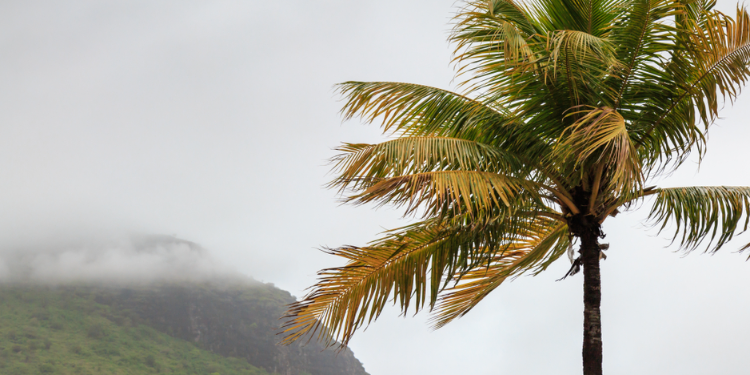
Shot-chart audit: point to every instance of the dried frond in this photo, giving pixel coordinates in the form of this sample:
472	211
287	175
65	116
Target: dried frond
408	266
533	251
362	165
451	193
600	137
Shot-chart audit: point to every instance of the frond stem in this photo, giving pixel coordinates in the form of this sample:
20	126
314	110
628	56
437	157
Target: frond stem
644	193
564	200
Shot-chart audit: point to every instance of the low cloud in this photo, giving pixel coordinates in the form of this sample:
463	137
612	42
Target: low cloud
124	259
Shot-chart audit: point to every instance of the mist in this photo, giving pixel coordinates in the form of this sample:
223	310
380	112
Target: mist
112	260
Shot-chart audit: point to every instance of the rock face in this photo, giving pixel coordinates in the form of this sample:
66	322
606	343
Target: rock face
237	319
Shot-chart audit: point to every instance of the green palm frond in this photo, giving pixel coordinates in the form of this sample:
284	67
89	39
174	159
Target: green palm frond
586	51
421	111
714	64
417	110
695	11
702	212
593	17
535	249
643	35
495	39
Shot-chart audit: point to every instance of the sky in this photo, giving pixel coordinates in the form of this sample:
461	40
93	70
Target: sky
213	122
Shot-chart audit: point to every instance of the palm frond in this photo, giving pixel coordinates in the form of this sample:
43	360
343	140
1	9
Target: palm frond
495	39
421	111
593	17
588	52
715	63
702	212
361	165
418	110
410	265
721	50
451	193
496	29
535	249
643	35
600	136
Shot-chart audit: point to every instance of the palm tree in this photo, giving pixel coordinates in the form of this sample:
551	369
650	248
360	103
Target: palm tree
568	109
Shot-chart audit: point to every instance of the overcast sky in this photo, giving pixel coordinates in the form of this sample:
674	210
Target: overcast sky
213	121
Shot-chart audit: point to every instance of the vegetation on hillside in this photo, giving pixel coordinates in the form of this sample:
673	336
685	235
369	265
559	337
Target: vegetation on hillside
64	330
226	326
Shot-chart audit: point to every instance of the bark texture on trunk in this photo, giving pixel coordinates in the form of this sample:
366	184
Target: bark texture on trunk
590	231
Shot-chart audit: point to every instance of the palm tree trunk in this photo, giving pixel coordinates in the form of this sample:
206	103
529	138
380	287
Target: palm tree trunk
592	296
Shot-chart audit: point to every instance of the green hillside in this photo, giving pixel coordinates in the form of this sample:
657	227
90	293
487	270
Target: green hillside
218	327
63	330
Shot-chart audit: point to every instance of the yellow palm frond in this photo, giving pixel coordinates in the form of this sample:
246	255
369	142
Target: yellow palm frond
362	165
536	248
408	266
601	137
451	193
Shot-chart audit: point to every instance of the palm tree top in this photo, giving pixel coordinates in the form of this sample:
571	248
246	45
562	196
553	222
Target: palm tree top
568	110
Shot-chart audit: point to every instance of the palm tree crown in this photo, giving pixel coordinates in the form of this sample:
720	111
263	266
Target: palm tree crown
568	109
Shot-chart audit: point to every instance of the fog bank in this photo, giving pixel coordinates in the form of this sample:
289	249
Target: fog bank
126	259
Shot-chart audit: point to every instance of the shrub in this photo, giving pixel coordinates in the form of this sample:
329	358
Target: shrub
105	350
41	315
150	361
95	331
29	332
46	368
17	348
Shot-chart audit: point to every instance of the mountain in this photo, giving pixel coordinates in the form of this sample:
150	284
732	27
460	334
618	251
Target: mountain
199	327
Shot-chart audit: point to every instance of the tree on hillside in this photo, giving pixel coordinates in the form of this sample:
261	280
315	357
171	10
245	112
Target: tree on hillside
569	108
